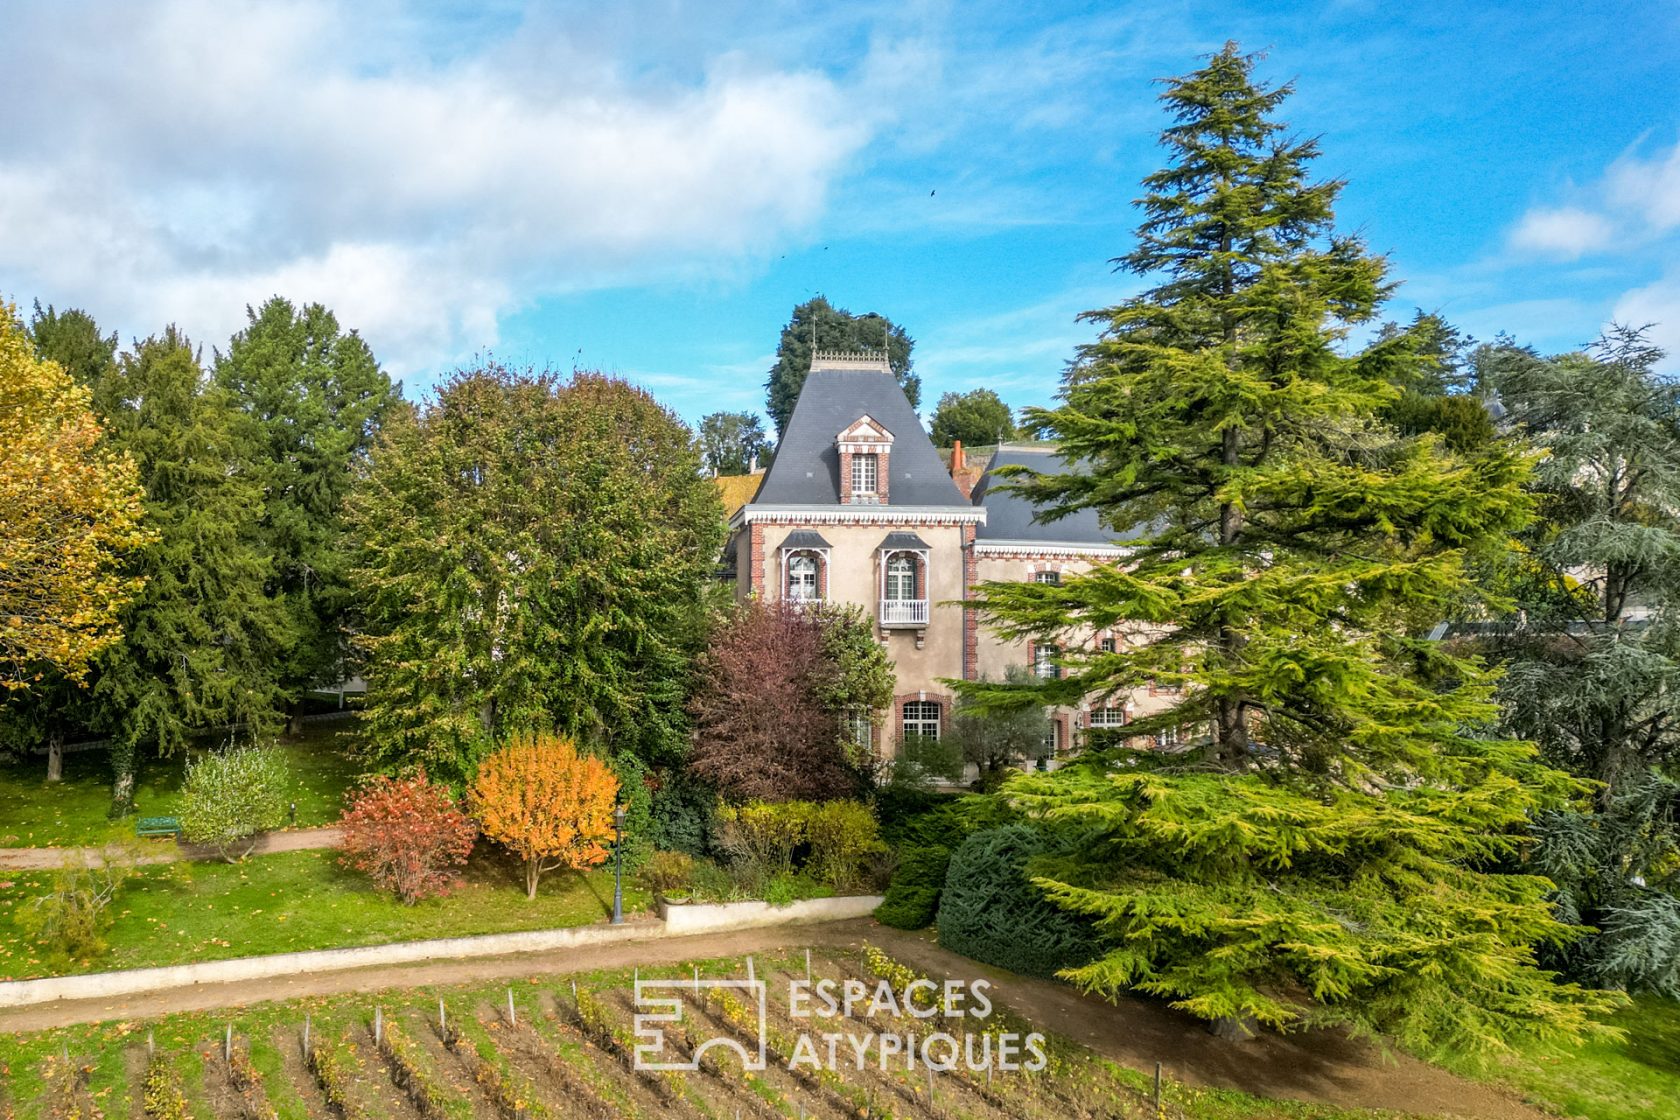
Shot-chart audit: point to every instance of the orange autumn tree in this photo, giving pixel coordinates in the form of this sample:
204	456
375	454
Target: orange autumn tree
547	803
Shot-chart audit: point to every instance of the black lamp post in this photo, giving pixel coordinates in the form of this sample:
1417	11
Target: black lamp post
618	865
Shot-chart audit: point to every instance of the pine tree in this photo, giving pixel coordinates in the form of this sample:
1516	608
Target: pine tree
202	640
1331	849
317	398
1593	660
833	328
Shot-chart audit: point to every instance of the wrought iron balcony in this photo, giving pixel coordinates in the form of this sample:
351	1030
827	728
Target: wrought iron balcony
904	612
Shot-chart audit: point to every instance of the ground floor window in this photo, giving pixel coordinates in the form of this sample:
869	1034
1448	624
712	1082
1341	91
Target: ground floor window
861	728
1053	740
1044	663
921	717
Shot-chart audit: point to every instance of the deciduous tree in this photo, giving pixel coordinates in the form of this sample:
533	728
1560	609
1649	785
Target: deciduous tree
531	553
977	417
775	687
546	803
70	512
733	443
832	328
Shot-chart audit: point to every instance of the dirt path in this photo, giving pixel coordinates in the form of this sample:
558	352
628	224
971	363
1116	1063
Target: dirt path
49	859
1319	1066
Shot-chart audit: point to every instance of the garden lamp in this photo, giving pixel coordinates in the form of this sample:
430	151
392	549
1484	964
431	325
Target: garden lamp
618	864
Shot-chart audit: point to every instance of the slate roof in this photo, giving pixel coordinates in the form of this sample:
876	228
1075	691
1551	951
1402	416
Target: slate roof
804	538
902	540
1010	517
806	470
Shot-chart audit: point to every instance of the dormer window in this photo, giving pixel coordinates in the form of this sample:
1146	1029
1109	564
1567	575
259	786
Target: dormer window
866	475
864	448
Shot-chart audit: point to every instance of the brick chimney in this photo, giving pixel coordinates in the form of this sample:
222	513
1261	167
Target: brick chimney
957	463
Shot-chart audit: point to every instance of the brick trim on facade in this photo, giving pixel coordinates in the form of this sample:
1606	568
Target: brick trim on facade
755	559
943	699
971	616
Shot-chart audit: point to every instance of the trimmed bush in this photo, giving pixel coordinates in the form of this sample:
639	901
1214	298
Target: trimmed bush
843	836
913	896
230	797
764	834
991	912
668	872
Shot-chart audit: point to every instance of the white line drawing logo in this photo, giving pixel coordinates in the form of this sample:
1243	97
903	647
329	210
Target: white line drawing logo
668	1008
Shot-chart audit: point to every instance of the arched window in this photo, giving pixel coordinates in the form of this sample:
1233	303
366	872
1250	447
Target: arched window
901	576
921	717
802	578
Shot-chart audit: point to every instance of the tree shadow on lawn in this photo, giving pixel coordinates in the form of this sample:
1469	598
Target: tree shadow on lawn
492	865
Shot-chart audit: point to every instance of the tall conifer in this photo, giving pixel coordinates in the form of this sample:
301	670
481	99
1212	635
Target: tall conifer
1329	850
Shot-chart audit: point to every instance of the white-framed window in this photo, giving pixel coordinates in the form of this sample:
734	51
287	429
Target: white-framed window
921	717
1047	577
866	473
1167	737
1109	644
1108	717
1053	740
802	578
901	576
1044	663
861	727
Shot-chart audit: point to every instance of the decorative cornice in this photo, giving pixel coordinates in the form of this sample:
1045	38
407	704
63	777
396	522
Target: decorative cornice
1048	550
857	515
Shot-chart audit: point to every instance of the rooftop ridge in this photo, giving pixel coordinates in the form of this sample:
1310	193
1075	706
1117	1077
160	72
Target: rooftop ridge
851	359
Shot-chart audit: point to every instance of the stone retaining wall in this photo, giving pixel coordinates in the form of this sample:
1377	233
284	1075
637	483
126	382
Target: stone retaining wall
705	918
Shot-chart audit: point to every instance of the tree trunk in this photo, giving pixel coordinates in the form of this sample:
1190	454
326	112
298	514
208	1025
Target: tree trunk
122	792
533	871
294	722
55	757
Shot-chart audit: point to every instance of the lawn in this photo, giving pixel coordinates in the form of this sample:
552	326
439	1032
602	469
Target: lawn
34	813
1630	1079
183	912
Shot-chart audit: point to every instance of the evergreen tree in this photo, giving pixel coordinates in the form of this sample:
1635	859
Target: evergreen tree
1296	551
733	443
1439	388
532	555
202	641
978	417
833	328
1593	660
317	398
72	339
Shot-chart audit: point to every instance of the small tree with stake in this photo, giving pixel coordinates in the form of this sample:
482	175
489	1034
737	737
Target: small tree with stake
232	796
546	803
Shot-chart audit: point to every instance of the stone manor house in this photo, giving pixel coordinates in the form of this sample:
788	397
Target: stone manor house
858	507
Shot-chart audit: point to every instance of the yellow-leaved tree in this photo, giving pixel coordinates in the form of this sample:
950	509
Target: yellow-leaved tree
547	803
69	513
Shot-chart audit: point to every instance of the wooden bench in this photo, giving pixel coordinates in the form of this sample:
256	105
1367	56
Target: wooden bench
157	826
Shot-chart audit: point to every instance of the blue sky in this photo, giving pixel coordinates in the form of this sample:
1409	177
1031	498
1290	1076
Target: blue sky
649	188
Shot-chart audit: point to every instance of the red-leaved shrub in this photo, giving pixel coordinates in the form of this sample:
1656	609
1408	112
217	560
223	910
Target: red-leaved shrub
408	835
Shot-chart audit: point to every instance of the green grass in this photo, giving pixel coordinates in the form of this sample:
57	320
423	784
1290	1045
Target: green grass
293	901
1628	1079
34	813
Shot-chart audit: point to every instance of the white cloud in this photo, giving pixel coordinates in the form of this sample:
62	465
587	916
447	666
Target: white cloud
1649	188
1636	201
183	158
1656	304
1566	232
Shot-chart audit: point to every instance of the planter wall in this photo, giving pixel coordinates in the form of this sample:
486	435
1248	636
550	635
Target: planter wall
702	917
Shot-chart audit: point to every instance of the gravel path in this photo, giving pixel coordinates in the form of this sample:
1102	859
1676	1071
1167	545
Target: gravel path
166	851
1324	1067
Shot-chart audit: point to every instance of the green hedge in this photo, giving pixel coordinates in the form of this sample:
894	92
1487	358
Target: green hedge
991	912
913	896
